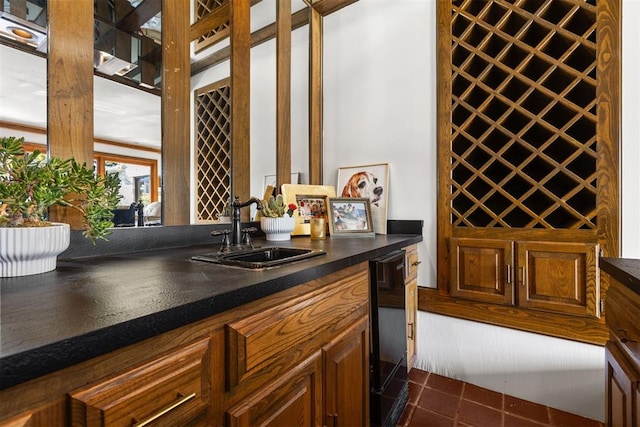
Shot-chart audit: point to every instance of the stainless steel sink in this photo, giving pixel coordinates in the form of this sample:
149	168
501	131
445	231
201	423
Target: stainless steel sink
260	258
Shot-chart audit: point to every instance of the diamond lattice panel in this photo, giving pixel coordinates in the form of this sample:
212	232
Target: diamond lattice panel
202	9
213	152
523	90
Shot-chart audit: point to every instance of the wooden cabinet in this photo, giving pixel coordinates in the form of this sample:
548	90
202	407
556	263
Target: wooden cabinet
299	357
295	399
622	389
346	381
412	262
527	174
546	276
623	355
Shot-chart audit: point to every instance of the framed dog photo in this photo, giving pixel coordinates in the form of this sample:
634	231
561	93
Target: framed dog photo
312	203
369	181
350	217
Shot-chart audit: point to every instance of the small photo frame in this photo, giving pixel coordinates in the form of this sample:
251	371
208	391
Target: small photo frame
271	180
311	201
350	217
372	182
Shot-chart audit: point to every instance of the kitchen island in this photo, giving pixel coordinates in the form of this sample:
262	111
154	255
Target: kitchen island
96	323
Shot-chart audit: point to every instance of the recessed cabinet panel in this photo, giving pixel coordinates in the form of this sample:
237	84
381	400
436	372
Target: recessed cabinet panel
622	383
347	369
295	399
559	277
480	270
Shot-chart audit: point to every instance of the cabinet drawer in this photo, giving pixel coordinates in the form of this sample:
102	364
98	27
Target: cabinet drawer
412	262
270	337
173	389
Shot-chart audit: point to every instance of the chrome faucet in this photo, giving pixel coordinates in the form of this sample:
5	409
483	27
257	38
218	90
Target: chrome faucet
237	242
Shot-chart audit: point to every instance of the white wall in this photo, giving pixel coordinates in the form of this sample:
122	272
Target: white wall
380	106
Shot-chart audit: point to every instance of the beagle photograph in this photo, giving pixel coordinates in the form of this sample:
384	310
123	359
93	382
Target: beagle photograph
371	182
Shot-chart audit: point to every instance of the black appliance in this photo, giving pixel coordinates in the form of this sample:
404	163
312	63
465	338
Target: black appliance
388	358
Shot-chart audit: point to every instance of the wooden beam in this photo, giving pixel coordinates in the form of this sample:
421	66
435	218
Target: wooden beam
326	7
315	99
240	100
218	17
70	89
298	19
283	93
146	10
175	113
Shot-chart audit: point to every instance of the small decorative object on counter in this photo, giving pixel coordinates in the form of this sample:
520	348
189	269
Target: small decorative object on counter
277	220
318	229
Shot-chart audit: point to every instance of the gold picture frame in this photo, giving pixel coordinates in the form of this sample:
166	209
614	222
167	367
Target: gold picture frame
311	201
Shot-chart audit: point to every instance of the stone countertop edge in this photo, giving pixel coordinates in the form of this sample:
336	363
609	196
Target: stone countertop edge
90	307
624	270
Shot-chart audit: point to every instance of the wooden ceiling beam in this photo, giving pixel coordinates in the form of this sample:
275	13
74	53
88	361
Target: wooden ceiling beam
264	34
326	7
135	19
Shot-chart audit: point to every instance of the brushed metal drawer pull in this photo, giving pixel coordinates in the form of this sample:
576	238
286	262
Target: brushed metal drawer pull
169	408
411	331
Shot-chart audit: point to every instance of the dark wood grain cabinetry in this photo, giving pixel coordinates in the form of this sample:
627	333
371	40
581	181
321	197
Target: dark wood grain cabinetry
623	348
547	276
528	162
299	357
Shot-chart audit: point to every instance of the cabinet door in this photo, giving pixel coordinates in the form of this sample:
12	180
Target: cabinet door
346	363
622	383
295	400
412	314
481	270
559	277
412	261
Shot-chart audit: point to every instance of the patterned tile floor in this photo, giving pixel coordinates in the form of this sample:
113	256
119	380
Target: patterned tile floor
437	401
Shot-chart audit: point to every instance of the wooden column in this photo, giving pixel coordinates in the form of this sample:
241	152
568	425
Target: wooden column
283	93
315	98
240	40
175	113
70	89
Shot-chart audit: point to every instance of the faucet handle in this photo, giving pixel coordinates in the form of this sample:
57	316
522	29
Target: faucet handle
225	243
246	237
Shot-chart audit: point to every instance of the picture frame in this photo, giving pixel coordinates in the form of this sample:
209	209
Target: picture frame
350	217
311	201
371	181
271	180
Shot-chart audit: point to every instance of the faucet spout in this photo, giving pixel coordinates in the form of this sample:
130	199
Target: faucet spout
236	232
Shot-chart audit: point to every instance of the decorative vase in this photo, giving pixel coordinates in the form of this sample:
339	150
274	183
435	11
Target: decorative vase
31	250
278	229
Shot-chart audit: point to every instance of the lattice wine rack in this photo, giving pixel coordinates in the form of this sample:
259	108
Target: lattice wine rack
212	150
202	9
523	127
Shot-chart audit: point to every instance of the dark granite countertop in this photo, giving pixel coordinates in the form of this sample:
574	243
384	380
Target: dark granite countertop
89	307
624	270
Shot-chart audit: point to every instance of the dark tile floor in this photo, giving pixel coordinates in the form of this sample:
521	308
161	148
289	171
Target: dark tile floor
437	401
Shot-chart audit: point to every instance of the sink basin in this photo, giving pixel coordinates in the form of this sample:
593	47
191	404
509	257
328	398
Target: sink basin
260	258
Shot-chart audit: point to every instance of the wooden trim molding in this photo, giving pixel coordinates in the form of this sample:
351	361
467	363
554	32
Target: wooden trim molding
587	330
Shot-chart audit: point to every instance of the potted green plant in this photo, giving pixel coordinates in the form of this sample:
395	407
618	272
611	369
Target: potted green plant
277	221
29	185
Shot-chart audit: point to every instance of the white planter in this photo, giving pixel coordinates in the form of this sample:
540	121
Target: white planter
278	229
31	250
